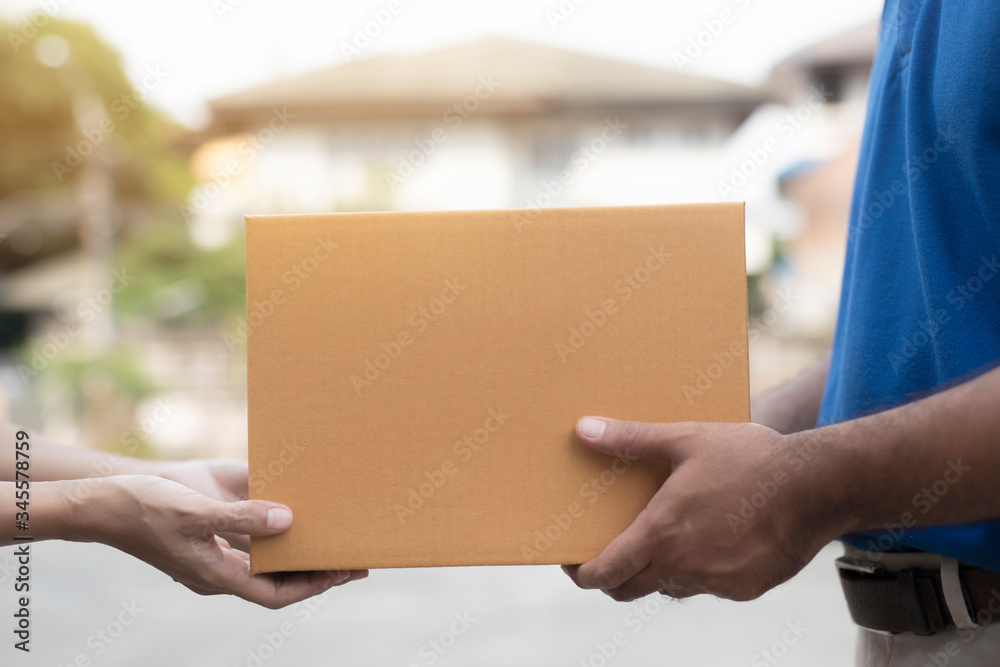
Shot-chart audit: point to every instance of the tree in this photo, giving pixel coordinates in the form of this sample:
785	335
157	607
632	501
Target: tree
39	138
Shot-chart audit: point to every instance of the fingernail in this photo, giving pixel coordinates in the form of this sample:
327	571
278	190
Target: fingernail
592	428
278	518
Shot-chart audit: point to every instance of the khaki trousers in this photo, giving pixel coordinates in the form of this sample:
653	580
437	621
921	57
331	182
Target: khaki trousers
971	646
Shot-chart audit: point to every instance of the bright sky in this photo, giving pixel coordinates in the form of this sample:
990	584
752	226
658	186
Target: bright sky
211	47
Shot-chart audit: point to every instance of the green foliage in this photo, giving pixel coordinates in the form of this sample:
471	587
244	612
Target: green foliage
118	367
114	373
178	284
37	127
102	390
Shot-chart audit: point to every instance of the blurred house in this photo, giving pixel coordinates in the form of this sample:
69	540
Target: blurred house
802	193
819	177
495	123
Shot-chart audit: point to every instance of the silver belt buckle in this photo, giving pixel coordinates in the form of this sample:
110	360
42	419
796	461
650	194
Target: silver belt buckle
859	566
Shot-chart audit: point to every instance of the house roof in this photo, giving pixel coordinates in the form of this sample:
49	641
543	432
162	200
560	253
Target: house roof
855	46
532	78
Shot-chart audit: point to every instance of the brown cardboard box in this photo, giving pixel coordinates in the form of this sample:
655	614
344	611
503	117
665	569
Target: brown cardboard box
415	378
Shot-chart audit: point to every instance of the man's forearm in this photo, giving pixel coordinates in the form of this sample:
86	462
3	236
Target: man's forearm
932	461
51	461
794	406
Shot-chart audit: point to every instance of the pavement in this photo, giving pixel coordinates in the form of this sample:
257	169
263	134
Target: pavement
94	606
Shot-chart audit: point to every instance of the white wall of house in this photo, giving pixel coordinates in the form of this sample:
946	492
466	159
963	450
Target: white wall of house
472	167
489	162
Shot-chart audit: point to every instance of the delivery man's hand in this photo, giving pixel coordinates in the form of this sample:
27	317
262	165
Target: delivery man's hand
177	530
696	535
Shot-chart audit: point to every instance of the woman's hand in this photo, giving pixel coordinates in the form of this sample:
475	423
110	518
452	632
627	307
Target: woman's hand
178	531
219	479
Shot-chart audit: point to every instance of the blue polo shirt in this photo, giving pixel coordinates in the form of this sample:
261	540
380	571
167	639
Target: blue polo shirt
920	302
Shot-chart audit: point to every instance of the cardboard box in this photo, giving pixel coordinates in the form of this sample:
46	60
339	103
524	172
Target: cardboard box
415	378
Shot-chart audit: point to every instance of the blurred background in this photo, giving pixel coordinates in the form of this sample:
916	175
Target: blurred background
135	137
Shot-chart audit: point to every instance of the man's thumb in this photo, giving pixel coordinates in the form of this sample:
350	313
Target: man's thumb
629	440
252	517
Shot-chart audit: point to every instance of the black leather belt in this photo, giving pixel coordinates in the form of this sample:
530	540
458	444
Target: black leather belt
912	600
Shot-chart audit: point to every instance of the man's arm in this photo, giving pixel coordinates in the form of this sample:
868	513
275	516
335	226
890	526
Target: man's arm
696	536
886	462
794	406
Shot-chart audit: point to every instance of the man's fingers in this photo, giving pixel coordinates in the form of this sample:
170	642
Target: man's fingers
356	575
251	517
630	440
629	553
626	556
624	572
648	581
634	588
